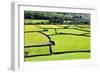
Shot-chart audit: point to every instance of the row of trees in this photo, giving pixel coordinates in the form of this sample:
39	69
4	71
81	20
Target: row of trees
58	17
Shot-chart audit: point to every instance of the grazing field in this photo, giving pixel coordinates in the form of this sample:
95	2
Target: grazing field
65	56
35	21
73	38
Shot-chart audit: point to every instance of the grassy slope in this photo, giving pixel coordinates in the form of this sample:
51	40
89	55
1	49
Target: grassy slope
66	56
31	28
72	42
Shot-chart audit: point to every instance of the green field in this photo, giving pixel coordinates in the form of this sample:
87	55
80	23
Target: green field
35	21
73	38
66	56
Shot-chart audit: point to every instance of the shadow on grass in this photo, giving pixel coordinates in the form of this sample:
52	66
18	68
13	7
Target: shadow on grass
55	53
84	27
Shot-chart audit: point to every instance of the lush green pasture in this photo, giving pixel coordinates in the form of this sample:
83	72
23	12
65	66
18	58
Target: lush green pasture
31	28
65	56
69	39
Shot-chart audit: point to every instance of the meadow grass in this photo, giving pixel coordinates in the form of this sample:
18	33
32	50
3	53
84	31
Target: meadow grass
63	42
34	21
65	56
